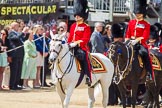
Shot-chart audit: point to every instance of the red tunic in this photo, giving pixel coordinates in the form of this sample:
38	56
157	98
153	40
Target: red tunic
152	46
138	29
82	32
160	48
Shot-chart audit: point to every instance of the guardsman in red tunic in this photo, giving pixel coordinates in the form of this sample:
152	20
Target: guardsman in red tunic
153	39
138	31
80	34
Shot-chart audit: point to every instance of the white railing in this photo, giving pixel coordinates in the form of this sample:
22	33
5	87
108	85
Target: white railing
103	5
95	5
119	6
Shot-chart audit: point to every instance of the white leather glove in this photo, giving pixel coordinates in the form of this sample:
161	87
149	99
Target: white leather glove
155	48
72	45
133	42
126	39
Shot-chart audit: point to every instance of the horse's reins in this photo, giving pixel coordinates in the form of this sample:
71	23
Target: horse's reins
69	67
66	71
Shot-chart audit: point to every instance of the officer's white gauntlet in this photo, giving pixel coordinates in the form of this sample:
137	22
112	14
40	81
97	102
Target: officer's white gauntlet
72	45
133	42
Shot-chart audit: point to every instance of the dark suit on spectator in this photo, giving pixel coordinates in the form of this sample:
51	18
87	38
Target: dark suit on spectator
97	43
15	40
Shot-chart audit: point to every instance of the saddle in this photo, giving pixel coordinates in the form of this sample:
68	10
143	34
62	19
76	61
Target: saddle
96	64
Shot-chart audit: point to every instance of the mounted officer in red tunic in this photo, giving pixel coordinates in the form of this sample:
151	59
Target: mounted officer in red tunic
138	31
79	36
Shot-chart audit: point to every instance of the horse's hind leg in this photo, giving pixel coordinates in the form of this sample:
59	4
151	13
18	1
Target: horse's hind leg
105	94
91	99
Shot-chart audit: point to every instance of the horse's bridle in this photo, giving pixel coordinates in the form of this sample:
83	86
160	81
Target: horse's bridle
69	67
117	69
57	52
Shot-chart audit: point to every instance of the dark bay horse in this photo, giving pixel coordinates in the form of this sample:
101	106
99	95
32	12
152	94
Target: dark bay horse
152	101
128	69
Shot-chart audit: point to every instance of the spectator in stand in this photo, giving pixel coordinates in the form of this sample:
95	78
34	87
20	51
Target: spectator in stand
62	28
21	25
24	34
96	40
8	28
29	63
15	57
30	23
3	54
38	33
107	37
46	64
54	29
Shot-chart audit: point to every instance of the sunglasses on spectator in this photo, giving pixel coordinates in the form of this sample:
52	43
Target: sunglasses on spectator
3	34
61	30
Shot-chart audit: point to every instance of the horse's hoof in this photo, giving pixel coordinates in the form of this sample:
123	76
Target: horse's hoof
143	103
128	105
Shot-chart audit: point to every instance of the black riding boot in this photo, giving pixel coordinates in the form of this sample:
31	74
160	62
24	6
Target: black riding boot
88	82
85	69
147	62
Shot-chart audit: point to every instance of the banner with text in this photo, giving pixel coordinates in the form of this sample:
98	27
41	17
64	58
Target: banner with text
34	12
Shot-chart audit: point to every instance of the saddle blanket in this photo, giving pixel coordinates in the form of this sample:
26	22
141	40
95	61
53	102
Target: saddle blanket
97	65
155	62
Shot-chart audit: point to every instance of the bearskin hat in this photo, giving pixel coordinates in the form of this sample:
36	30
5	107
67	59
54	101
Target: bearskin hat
153	33
81	8
140	6
117	30
158	25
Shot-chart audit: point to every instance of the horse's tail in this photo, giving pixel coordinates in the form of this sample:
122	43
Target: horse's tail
97	90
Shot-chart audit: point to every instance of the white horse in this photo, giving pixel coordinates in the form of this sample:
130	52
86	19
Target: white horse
65	71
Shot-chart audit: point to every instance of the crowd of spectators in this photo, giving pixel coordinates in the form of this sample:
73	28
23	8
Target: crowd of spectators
22	51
